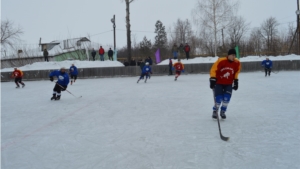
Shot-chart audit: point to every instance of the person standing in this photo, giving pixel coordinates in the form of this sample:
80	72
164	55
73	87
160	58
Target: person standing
61	84
223	74
179	67
101	53
46	54
18	75
267	64
175	51
170	66
93	54
187	49
181	50
142	64
145	72
73	73
110	54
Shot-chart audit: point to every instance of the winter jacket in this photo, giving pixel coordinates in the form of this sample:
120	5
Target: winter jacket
17	74
178	66
46	53
175	48
149	60
225	71
93	53
73	70
187	48
101	51
170	63
110	53
62	78
267	64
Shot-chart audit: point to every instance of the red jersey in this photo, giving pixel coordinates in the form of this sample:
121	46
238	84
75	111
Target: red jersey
17	73
178	66
225	71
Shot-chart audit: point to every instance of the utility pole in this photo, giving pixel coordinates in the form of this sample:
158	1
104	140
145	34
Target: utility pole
113	20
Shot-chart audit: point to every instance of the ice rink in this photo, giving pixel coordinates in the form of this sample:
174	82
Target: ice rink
161	124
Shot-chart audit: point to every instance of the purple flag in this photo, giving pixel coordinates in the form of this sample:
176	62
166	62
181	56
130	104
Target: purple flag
157	55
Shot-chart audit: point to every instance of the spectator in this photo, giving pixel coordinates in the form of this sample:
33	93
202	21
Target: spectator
132	62
142	64
181	50
101	53
46	55
170	66
93	54
149	60
187	51
110	54
175	51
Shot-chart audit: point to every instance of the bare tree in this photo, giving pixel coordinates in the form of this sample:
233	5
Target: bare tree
9	33
255	41
270	31
237	30
214	15
128	28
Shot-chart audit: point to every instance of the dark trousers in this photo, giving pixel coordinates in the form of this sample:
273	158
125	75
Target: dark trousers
268	71
110	57
73	77
57	89
187	55
18	80
46	58
93	58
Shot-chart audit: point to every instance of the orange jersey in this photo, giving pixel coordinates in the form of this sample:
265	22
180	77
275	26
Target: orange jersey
225	71
178	66
17	73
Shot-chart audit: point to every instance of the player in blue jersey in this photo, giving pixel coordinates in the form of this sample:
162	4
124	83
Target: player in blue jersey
145	72
61	84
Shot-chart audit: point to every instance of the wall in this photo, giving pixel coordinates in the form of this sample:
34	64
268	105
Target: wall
157	70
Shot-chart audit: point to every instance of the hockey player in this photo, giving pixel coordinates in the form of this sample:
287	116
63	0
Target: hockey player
73	73
145	72
18	75
179	67
223	74
267	64
61	84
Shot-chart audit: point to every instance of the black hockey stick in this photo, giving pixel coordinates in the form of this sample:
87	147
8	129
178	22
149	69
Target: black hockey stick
222	137
67	90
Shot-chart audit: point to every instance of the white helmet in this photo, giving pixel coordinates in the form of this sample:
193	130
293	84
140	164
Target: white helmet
147	63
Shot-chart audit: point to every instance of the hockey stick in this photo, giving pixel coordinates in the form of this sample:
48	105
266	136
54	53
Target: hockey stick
222	137
67	90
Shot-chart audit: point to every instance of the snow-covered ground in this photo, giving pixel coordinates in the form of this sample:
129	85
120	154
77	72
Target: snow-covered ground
161	124
107	63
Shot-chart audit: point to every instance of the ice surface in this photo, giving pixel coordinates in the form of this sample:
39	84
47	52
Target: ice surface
161	124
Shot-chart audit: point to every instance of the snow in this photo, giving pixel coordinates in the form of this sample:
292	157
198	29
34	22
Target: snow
107	63
161	124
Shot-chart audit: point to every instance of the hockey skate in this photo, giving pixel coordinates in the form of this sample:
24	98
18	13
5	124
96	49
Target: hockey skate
222	114
214	115
53	97
57	98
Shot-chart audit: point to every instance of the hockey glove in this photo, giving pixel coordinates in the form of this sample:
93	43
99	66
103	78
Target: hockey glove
212	81
182	70
51	79
235	84
64	88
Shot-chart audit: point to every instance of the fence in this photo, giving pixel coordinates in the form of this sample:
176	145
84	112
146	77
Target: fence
157	70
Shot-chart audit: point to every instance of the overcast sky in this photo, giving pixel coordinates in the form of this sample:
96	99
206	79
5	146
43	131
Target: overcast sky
62	19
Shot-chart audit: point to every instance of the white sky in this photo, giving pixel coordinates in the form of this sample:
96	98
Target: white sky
58	20
107	63
161	124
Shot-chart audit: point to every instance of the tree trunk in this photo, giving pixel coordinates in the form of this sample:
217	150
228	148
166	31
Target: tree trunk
128	31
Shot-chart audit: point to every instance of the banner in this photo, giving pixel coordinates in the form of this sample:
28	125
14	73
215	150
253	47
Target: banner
157	56
237	52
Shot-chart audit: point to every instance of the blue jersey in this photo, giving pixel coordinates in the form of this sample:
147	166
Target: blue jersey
146	69
62	78
73	70
267	64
